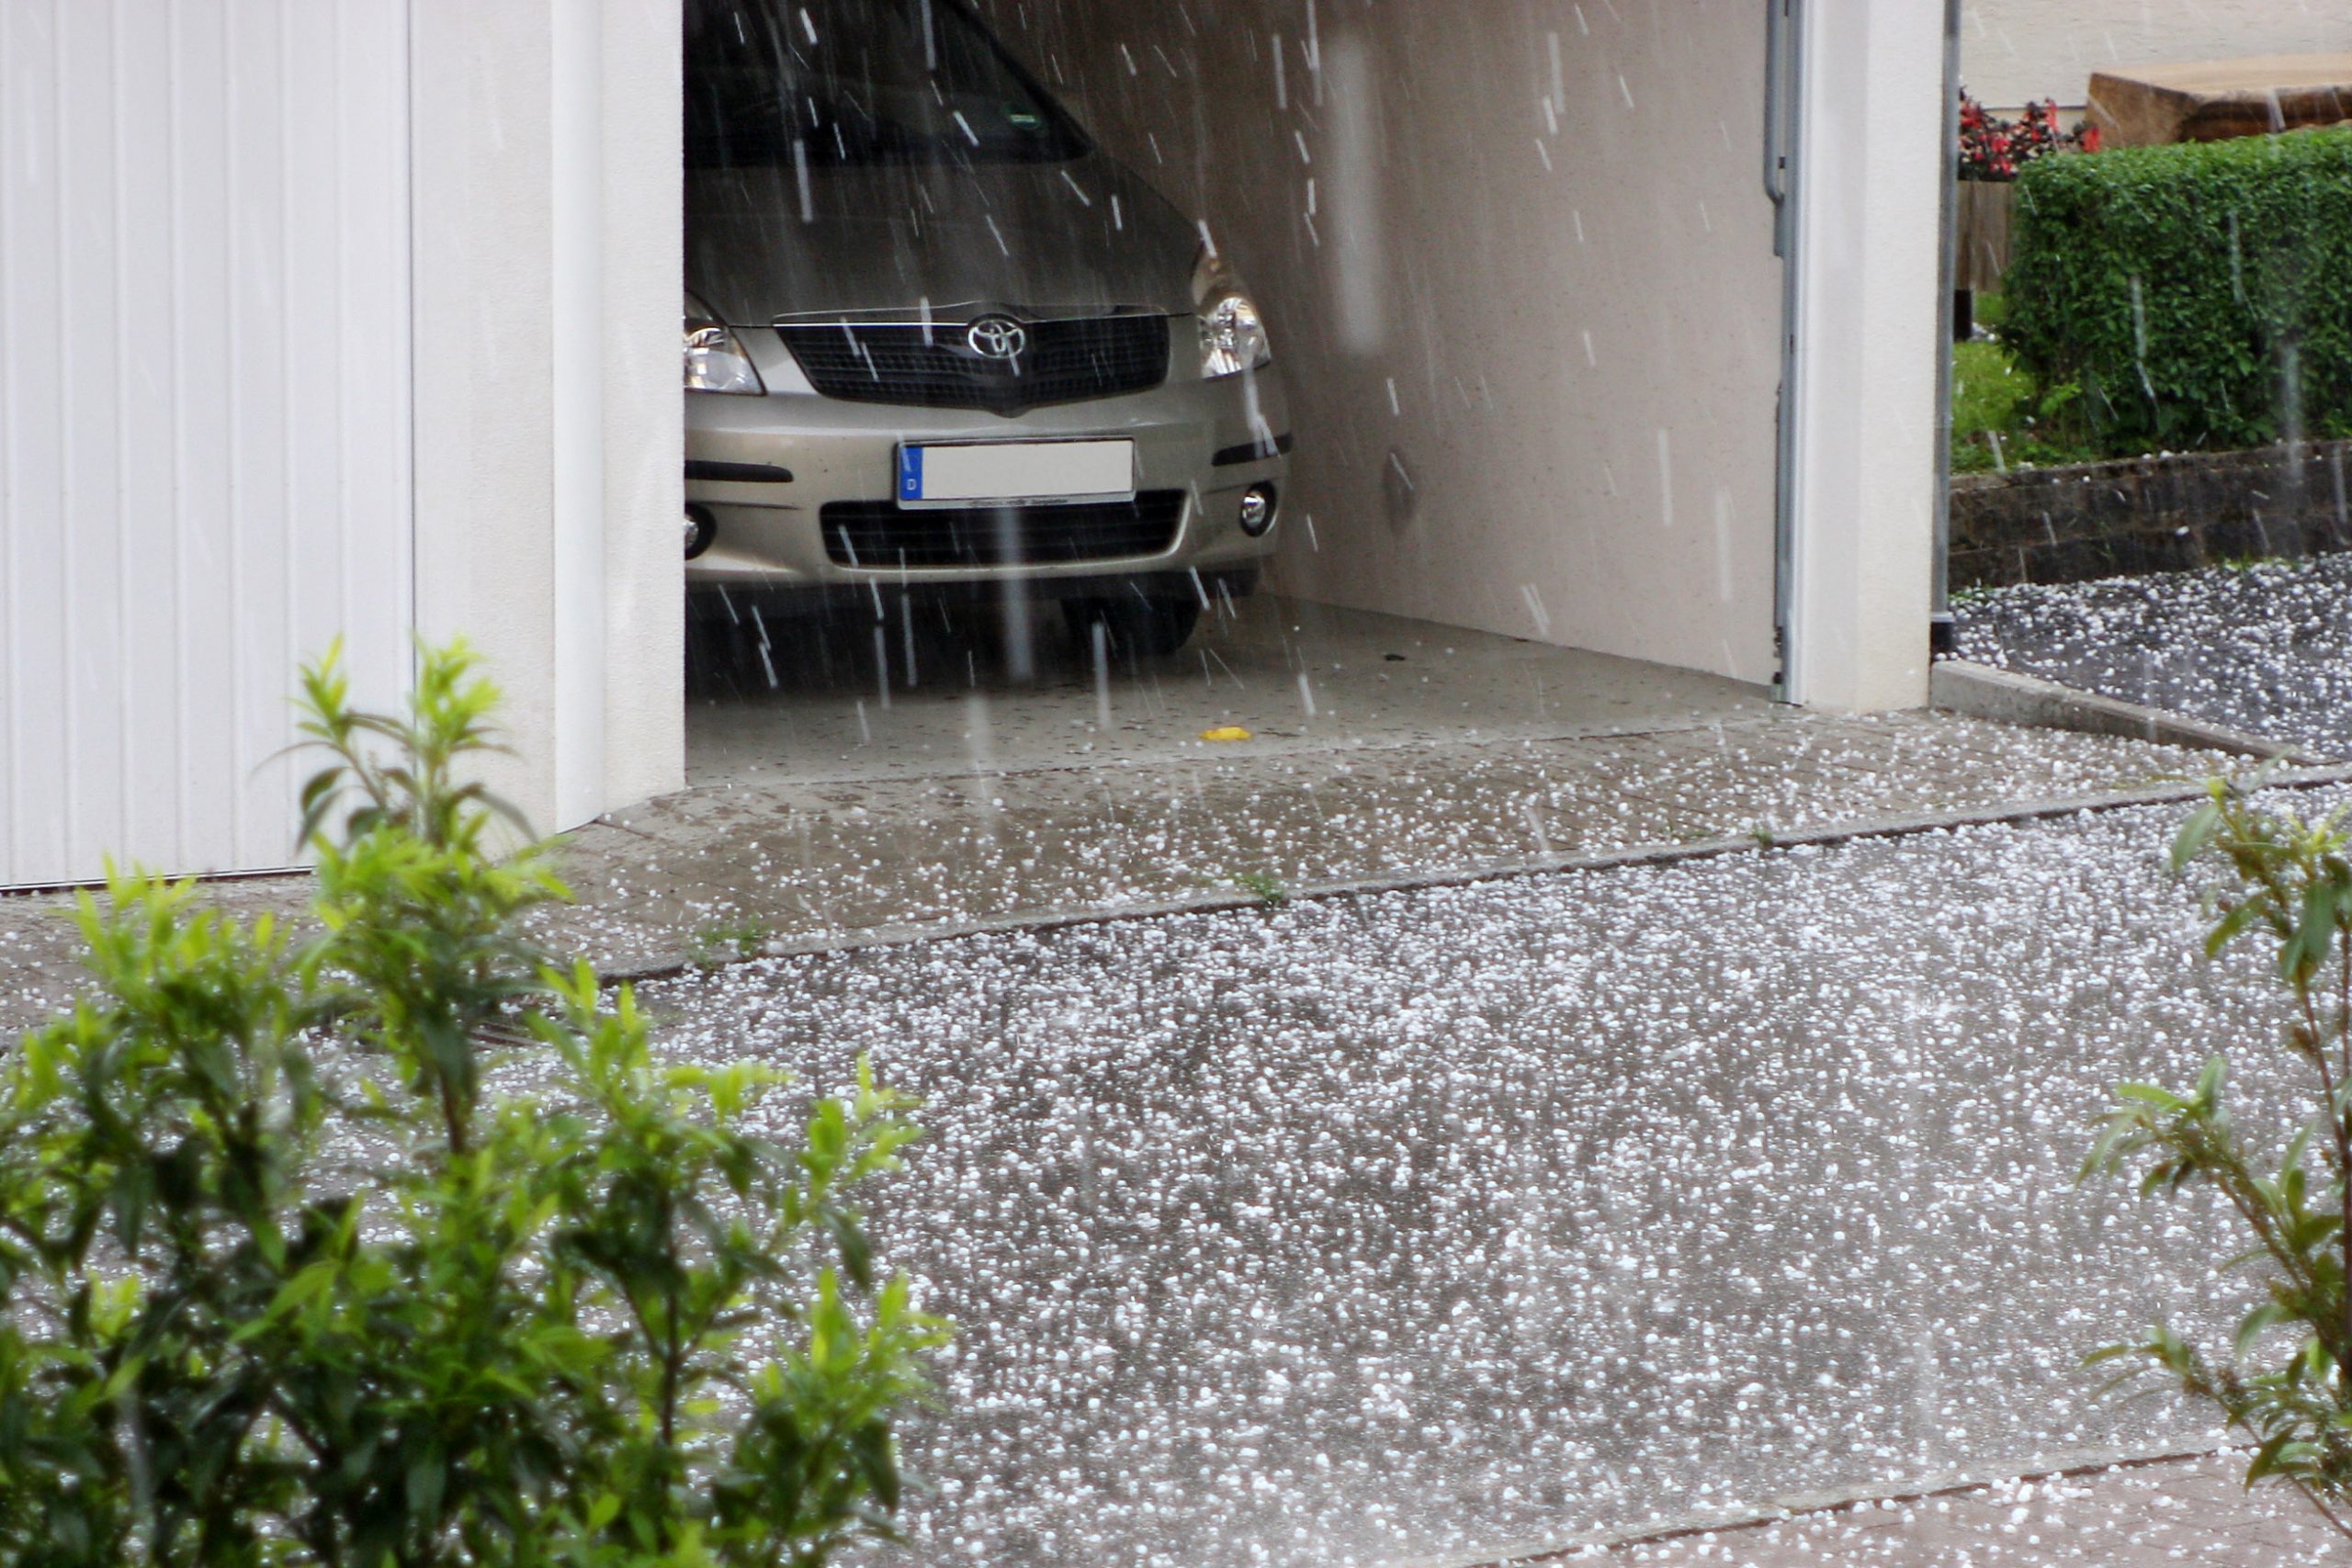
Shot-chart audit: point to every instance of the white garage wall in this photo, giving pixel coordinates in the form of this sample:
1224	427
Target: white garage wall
550	442
1870	160
204	413
2017	51
1519	262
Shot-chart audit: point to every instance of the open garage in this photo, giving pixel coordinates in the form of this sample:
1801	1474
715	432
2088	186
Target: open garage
1555	400
1525	285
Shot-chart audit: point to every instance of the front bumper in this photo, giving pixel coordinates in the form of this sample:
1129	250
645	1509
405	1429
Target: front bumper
1205	439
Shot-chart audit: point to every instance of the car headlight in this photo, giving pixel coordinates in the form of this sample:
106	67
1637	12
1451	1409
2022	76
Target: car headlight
715	361
1233	338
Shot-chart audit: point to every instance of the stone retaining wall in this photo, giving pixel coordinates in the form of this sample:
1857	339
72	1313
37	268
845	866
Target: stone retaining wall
2095	520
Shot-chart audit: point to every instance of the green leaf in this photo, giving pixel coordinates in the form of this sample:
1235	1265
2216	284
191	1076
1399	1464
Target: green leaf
427	1479
2314	935
2232	925
2267	1459
2268	1315
2195	836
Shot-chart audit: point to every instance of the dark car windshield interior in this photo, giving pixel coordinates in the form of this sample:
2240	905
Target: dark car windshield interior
857	82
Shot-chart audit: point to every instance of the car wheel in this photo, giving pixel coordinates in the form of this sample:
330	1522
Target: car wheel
1146	627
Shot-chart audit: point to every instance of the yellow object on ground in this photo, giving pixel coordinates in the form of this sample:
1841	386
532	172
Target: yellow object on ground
1229	732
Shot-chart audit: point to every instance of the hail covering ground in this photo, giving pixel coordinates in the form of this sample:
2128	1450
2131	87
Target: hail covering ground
2265	646
1361	1230
2196	1513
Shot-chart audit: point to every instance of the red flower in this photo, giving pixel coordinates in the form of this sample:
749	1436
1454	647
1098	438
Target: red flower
1994	149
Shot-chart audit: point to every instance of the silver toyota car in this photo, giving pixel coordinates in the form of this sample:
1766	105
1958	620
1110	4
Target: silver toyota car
937	343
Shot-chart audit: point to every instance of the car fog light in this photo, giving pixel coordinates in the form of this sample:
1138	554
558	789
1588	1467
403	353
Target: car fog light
702	528
1258	508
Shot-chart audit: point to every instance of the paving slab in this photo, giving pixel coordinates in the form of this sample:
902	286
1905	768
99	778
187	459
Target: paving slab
798	863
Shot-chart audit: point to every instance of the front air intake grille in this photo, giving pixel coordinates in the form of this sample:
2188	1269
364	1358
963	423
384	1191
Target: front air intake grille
880	535
936	367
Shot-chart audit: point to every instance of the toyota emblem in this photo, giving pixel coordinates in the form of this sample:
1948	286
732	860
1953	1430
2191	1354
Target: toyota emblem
998	337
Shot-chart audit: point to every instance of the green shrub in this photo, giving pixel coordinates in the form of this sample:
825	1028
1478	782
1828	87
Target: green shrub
2287	1379
2000	419
284	1283
2199	295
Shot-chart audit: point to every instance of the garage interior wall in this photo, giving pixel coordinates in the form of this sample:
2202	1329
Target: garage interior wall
204	414
1521	277
2018	52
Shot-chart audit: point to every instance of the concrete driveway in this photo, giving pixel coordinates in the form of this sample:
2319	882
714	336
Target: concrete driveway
1361	748
1445	1219
1431	1224
819	818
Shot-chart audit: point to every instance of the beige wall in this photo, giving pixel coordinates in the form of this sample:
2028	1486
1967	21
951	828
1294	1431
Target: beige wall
549	485
1519	262
2017	51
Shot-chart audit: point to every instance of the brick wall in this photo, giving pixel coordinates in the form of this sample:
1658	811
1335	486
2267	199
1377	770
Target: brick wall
2071	524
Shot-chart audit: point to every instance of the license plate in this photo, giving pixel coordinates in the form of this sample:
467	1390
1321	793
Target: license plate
1015	473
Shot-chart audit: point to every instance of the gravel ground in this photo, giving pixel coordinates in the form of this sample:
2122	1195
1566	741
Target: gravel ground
2266	648
1400	1225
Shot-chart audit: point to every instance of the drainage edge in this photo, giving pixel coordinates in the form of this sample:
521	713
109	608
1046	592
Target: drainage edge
2010	696
1780	1510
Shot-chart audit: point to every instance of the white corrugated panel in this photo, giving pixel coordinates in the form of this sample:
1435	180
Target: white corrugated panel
204	414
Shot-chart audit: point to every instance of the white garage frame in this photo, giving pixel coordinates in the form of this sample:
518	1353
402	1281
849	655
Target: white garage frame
1858	399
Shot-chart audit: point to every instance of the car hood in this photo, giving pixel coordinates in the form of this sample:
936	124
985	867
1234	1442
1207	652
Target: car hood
1086	235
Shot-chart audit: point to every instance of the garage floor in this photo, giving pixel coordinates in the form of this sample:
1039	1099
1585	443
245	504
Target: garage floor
1302	677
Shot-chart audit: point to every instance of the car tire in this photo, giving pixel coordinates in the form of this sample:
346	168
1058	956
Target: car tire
1149	629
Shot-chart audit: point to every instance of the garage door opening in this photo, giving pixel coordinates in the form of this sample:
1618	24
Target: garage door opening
1513	457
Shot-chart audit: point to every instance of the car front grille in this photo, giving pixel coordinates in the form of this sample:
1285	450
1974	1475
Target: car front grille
880	535
1066	362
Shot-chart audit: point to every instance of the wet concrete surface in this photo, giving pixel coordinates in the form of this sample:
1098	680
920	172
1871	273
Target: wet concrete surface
1009	801
1436	1222
2265	646
788	861
1376	747
1426	1222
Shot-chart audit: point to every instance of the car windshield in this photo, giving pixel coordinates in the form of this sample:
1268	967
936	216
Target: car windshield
850	82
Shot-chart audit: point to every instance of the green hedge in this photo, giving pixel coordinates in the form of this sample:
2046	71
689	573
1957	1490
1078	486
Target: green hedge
2198	295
